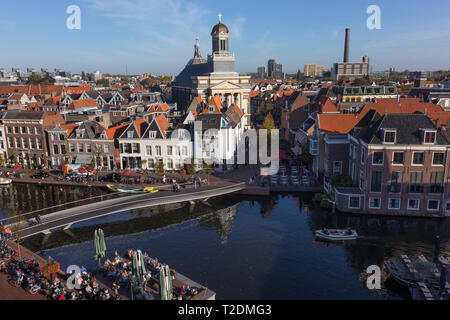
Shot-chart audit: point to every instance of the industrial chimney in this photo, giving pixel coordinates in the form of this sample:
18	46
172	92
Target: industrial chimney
347	45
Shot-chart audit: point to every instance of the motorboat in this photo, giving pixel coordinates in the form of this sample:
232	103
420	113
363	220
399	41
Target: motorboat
133	191
337	234
5	181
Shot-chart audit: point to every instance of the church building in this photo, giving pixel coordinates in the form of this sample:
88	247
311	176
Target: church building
215	76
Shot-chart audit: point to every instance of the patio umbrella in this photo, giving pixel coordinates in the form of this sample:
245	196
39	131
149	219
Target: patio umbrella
165	283
126	172
138	266
437	249
102	243
18	167
96	246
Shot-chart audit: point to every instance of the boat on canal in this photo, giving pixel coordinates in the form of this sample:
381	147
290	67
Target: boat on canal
336	234
132	191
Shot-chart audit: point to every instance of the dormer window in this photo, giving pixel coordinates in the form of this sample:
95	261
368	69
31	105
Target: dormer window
429	137
130	134
80	133
152	134
211	108
389	136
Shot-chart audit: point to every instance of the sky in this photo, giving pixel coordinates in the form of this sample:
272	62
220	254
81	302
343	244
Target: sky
157	36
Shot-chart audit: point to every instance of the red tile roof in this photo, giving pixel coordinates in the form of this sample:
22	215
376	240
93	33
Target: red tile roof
82	103
254	93
401	106
163	124
337	122
69	127
329	107
76	90
115	132
31	90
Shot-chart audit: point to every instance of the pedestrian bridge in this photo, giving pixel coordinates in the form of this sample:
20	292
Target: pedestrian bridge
65	218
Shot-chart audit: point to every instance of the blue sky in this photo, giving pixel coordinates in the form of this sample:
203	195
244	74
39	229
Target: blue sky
157	36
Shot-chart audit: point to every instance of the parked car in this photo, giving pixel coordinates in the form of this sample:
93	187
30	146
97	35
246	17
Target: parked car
40	175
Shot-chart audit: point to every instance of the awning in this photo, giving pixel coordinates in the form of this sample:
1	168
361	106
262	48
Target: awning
83	160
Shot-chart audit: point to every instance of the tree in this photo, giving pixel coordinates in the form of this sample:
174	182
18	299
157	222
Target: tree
268	123
191	167
35	78
103	82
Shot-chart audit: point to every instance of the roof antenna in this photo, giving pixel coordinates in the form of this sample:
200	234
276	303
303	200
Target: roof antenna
220	17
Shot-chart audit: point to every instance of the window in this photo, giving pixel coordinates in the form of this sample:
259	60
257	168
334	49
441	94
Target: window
177	151
30	130
39	143
38	130
394	204
337	167
9	129
418	158
363	156
11	142
436	182
61	137
54	137
430	137
63	149
25	143
80	147
415	182
89	148
152	134
169	164
353	202
18	143
389	136
169	150
396	182
16	129
185	151
398	158
158	150
438	158
24	130
375	184
378	158
448	206
72	147
433	205
149	150
413	204
374	203
136	148
130	134
55	149
32	143
106	148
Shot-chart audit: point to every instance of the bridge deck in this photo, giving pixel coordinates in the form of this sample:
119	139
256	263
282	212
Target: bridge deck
69	216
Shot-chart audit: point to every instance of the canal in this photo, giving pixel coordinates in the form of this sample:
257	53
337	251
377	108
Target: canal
241	247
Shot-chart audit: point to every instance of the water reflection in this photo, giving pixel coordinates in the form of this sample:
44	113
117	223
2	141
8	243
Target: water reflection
236	245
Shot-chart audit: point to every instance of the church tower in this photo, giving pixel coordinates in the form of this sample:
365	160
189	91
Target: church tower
221	60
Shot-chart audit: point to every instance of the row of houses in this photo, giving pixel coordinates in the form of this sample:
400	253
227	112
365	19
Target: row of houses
156	138
388	156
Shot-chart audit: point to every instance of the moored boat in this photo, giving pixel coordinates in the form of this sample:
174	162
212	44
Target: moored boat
132	191
5	181
337	234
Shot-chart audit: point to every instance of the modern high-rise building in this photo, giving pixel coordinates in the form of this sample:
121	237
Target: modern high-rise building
261	72
275	70
313	70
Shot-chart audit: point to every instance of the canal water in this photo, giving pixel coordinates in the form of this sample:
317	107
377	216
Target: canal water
240	247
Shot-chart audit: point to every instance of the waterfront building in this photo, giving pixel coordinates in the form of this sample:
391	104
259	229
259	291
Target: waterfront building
26	135
215	76
88	144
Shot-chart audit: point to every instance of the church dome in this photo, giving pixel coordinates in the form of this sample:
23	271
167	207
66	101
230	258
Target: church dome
219	28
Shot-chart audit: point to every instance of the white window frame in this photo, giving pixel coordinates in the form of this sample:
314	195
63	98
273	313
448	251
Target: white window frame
437	165
412	159
428	205
379	201
399	203
418	205
359	202
398	164
340	171
425	135
395	136
373	158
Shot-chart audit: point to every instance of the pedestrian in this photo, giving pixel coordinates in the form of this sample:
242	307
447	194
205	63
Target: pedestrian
38	219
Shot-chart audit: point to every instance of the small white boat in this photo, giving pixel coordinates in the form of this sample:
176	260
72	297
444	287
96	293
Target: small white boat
337	234
5	181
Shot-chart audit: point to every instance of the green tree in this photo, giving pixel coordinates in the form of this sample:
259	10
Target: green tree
191	167
103	82
268	124
35	78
